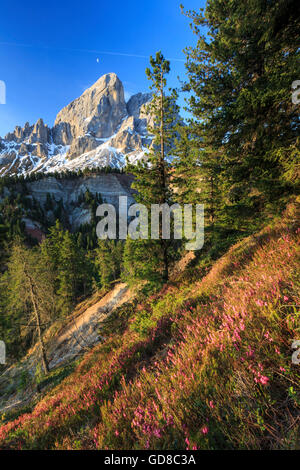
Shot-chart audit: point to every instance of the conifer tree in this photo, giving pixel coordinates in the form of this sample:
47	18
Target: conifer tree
30	283
186	166
70	273
51	246
108	261
240	79
152	177
72	267
141	262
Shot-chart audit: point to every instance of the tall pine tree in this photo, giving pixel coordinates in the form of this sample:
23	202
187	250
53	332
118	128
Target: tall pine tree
240	77
152	177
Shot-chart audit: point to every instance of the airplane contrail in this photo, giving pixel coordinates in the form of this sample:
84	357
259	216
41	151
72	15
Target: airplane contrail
90	51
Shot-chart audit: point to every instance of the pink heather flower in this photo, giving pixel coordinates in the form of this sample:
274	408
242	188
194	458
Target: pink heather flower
204	430
268	336
211	404
116	433
282	369
285	298
264	380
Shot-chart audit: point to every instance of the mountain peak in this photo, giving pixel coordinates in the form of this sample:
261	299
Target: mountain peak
98	111
96	129
107	80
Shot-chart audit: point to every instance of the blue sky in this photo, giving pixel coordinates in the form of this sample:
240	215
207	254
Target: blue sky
49	50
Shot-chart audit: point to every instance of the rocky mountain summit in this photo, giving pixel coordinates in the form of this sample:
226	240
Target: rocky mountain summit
98	129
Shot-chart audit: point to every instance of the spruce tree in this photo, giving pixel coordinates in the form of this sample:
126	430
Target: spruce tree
240	76
51	246
153	176
186	175
70	274
108	261
72	267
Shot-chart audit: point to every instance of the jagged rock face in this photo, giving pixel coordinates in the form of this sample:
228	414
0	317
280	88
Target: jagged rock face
82	145
40	133
98	111
136	105
61	134
95	130
20	134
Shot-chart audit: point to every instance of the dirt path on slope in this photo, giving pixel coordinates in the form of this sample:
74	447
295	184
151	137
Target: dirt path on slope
81	332
79	335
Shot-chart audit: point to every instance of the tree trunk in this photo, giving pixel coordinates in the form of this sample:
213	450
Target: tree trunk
38	325
166	260
212	195
162	141
164	245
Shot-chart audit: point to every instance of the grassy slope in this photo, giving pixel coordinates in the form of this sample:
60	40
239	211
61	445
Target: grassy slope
206	363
